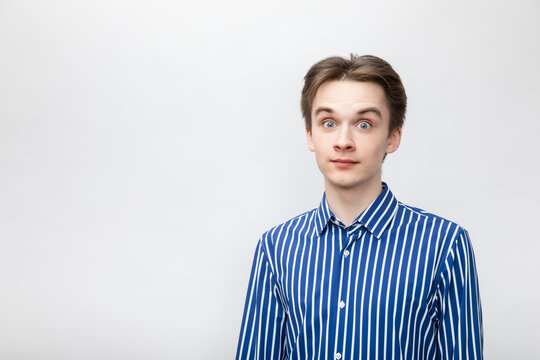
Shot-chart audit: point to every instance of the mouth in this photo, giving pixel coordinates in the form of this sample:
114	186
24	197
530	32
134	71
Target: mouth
345	163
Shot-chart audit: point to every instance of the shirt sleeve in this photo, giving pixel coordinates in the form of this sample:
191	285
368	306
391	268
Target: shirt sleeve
460	334
262	331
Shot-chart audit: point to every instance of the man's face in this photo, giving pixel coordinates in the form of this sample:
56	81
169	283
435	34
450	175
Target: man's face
349	133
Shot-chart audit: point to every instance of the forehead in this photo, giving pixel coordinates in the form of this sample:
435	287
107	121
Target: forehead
349	95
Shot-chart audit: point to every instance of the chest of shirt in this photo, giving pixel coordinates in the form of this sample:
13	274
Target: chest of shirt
356	274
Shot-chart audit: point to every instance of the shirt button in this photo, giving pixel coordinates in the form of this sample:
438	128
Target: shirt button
341	305
338	356
346	253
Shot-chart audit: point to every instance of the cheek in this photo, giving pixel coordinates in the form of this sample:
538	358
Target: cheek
371	143
372	146
319	144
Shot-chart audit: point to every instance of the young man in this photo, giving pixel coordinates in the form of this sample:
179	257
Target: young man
362	276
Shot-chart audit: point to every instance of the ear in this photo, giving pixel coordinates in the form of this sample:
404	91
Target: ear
309	137
392	144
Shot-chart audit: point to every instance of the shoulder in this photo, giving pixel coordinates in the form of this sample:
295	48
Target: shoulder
426	224
299	224
445	235
281	238
416	214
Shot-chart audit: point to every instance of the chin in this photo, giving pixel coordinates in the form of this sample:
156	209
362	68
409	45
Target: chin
347	184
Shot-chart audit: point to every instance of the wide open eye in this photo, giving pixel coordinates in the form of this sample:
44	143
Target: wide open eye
328	124
364	125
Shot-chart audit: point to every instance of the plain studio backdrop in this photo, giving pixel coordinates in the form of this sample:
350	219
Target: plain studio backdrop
146	145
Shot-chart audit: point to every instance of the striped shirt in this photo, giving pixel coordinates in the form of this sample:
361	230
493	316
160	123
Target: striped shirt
398	283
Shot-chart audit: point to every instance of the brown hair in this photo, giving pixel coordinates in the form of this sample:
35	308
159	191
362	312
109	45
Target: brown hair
366	68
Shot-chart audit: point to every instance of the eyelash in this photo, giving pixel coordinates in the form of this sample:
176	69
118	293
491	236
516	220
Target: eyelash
367	122
334	124
328	121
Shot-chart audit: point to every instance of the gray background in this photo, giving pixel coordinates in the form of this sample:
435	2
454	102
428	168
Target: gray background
146	145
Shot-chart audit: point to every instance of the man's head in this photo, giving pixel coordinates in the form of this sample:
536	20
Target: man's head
366	68
354	112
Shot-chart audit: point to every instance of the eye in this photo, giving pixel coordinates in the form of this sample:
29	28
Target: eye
364	125
328	124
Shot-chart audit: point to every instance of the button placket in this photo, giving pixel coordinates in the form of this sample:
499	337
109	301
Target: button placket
345	243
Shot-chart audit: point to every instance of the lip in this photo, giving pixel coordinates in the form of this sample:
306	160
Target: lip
345	163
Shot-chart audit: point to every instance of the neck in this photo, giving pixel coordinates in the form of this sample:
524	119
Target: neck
348	203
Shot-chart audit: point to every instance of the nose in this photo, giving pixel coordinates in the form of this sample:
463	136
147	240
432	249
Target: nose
344	140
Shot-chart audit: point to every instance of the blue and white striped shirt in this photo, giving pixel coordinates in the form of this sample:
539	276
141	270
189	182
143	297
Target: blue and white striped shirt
398	283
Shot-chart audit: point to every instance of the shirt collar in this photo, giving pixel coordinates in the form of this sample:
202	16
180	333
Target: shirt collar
375	218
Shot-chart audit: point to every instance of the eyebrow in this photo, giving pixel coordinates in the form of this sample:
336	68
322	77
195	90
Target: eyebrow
374	109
